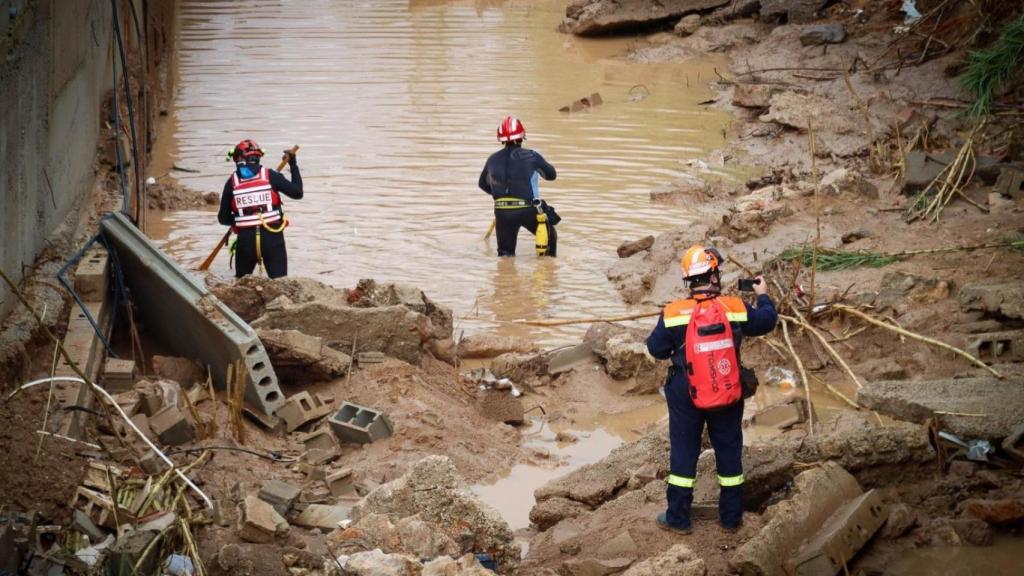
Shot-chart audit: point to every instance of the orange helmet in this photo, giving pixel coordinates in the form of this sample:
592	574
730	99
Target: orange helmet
698	260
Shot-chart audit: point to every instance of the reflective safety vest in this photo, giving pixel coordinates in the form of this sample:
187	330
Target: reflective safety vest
254	201
712	365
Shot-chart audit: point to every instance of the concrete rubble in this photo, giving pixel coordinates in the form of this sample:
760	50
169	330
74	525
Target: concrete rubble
300	358
955	402
433	490
491	345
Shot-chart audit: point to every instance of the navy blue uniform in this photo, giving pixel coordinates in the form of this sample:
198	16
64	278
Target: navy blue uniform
509	176
686	422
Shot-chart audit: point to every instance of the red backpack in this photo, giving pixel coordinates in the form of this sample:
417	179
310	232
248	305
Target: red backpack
711	361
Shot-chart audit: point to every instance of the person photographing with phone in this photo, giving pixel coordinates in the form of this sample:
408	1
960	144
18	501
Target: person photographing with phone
702	336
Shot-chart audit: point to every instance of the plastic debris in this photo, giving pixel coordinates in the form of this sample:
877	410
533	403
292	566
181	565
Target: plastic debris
910	8
178	565
781	378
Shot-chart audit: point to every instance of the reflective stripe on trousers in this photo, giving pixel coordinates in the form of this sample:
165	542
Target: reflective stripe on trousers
681	481
730	480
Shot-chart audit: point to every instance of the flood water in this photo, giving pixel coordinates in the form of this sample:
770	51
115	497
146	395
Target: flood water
395	105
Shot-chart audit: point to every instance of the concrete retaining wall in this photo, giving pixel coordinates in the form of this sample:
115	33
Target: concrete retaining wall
55	72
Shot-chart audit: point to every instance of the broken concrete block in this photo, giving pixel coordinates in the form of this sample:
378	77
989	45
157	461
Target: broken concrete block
125	555
678	560
98	507
1003	346
500	406
172	427
817	495
359	425
92	275
569	358
299	357
98	475
269	422
319	457
1006	300
1001	401
281	495
922	167
118	375
340	483
321	438
301	408
1010	182
322	516
258	521
151	400
782	415
847	531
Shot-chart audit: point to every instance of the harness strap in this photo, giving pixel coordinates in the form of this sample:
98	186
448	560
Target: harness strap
510	203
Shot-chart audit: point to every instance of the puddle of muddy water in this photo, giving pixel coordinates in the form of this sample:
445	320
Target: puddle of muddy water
1004	557
395	104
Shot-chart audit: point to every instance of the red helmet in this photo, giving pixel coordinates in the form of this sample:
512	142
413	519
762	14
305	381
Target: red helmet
247	149
511	130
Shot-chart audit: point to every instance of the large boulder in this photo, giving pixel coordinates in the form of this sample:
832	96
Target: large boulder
603	16
433	489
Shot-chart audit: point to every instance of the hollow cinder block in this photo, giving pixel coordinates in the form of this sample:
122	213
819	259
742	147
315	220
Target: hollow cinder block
359	425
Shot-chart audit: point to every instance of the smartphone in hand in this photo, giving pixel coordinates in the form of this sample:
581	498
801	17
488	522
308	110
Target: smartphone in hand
747	284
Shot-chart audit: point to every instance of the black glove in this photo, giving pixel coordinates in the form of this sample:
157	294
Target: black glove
290	156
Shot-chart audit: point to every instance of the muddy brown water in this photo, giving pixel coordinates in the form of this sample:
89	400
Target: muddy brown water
1005	556
395	105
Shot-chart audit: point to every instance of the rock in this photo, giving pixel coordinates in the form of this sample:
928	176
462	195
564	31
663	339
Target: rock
901	519
847	182
627	249
468	565
687	25
377	563
961	469
753	95
1001	300
793	11
1002	402
921	167
996	512
754	223
487	345
625	356
678	560
972	531
817	494
854	235
821	34
259	522
566	437
180	370
550	511
599	333
500	406
880	369
433	489
300	358
603	16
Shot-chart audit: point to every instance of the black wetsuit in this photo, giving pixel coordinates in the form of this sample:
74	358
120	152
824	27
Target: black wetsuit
272	247
509	173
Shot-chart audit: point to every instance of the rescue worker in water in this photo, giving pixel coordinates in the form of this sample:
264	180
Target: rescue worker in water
510	177
702	336
251	205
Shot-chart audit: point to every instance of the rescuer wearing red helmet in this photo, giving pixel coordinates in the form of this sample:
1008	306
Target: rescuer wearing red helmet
702	336
251	205
510	177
